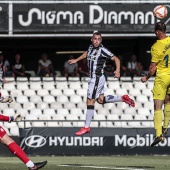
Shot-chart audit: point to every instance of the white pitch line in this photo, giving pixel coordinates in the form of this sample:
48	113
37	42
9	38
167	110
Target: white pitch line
99	167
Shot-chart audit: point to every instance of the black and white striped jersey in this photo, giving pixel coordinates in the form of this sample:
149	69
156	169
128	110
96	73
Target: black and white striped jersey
96	58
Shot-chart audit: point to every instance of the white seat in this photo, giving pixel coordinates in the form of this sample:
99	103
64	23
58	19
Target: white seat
10	79
42	92
142	98
45	117
81	92
72	117
147	124
55	105
61	85
62	112
10	125
35	85
22	79
36	112
110	106
109	92
35	99
138	104
117	111
62	99
134	92
114	85
147	92
9	86
84	86
23	112
69	105
113	117
42	105
16	92
82	105
100	117
150	85
14	131
35	79
135	124
125	78
68	92
130	110
126	117
103	111
60	79
56	92
75	85
50	112
48	79
98	106
76	111
29	105
127	85
38	124
149	105
122	105
24	125
139	85
29	92
143	111
73	79
31	117
3	106
136	78
140	117
22	85
15	105
75	99
9	112
4	92
112	79
121	92
22	99
48	99
48	85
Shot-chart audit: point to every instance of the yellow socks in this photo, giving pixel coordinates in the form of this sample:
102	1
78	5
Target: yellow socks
158	122
166	115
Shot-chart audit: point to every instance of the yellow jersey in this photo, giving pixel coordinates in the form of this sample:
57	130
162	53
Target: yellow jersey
160	53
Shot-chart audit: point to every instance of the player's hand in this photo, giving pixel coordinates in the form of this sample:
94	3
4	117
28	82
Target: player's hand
117	74
17	117
72	61
143	79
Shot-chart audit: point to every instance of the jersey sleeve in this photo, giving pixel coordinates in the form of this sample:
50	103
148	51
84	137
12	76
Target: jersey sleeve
106	53
154	55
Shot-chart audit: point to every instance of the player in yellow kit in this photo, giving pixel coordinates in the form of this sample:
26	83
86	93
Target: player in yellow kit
160	62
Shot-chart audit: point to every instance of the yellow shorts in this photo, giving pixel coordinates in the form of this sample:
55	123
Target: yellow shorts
161	87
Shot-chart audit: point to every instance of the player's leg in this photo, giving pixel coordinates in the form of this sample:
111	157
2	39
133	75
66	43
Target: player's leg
166	114
16	150
16	118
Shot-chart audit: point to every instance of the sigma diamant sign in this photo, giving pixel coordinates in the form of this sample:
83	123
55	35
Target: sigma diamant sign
74	18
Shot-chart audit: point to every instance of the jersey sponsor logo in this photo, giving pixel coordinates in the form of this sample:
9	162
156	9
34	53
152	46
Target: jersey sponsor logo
35	141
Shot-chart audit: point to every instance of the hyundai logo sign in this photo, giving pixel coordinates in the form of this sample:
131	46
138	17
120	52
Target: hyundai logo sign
35	141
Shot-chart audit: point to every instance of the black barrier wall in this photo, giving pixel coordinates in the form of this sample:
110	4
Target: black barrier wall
101	141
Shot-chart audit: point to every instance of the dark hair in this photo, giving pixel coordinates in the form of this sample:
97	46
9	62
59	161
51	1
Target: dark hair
160	26
97	33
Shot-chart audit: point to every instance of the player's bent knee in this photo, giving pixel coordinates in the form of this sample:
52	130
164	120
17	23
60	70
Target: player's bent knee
99	101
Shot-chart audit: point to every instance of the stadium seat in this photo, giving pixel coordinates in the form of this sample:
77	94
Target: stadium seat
55	105
14	131
68	92
29	92
35	79
147	92
50	112
149	105
134	124
56	92
42	92
150	85
127	85
109	92
142	98
75	85
48	99
47	79
82	105
9	112
29	105
143	111
121	92
112	79
110	106
85	79
114	85
125	79
48	85
22	85
10	79
3	106
9	86
38	124
16	92
4	92
22	99
134	92
69	105
122	105
61	85
60	79
57	117
35	85
126	117
62	99
22	79
75	99
15	106
64	112
103	112
36	112
138	105
98	106
23	112
76	111
139	85
42	105
35	99
10	125
24	125
100	119
84	85
72	117
73	79
81	92
140	117
117	111
137	78
113	120
130	110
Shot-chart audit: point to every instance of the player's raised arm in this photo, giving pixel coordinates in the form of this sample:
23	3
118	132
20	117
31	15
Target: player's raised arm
117	62
84	55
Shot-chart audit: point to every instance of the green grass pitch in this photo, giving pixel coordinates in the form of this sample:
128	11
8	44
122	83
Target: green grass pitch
92	163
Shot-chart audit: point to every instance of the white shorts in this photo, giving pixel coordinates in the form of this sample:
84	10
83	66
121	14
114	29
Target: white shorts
96	87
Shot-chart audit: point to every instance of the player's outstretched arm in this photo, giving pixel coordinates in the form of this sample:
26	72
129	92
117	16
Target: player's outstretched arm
117	62
84	55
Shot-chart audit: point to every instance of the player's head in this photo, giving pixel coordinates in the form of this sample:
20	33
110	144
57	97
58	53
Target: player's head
160	28
96	39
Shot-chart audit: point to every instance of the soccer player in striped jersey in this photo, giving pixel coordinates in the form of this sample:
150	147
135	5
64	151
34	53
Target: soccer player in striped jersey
14	147
160	63
97	55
